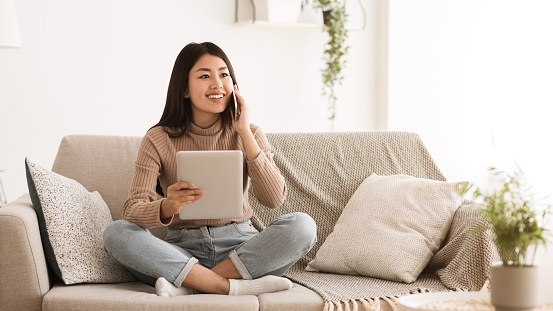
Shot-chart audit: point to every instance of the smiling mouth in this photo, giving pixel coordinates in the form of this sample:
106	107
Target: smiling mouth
215	96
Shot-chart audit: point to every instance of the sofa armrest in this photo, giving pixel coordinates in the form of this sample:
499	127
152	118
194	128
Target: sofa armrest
23	267
463	262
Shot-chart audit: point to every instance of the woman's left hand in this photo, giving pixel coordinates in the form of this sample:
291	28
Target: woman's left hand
242	126
243	129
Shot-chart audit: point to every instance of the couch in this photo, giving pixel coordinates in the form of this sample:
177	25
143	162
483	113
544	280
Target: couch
322	172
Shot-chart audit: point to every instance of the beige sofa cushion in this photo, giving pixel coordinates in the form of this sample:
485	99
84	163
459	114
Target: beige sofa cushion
138	296
298	298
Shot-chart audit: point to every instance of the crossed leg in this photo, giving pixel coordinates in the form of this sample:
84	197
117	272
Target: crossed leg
290	236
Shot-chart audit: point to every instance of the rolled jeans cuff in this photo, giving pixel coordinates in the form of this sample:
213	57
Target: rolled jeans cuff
239	265
184	272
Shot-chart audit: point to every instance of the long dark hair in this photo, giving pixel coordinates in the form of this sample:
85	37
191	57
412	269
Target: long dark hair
177	114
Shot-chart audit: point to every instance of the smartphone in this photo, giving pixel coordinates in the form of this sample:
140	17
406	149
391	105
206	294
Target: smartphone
234	107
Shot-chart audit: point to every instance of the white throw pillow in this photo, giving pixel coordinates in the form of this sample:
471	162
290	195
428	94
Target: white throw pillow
390	228
71	221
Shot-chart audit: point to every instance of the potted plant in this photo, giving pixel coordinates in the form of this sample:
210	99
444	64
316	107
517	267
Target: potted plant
515	218
335	18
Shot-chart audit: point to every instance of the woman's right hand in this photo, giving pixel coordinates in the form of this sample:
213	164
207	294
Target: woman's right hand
178	196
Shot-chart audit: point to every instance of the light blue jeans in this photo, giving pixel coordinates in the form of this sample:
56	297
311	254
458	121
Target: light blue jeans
254	254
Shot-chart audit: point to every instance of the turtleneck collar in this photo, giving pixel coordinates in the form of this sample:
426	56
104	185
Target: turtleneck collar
216	127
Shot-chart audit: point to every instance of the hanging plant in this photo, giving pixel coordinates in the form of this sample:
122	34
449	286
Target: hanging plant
335	18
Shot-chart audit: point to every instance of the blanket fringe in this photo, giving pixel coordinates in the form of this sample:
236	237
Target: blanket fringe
372	304
367	305
354	304
392	301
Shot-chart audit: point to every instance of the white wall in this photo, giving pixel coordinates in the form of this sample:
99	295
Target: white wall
474	79
102	67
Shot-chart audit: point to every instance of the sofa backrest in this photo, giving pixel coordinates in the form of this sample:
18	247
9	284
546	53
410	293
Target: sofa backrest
322	170
100	163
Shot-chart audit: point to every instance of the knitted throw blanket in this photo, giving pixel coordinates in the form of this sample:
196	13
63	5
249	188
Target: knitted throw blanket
323	170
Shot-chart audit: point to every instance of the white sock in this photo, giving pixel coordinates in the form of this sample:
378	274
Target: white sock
167	289
266	284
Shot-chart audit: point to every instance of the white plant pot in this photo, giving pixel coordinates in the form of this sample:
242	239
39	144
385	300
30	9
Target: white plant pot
277	11
514	288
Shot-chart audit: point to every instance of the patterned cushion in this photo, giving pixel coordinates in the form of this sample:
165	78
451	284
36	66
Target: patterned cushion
390	228
71	222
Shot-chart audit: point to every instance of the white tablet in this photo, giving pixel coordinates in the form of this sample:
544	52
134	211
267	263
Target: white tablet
219	174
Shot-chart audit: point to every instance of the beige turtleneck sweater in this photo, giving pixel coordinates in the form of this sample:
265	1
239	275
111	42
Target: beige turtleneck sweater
156	159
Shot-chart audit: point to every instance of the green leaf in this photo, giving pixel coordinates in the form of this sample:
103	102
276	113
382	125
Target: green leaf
513	220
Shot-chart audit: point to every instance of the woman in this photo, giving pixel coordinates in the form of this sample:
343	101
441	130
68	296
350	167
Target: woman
222	256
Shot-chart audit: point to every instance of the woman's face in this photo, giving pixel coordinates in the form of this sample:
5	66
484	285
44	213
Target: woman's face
209	89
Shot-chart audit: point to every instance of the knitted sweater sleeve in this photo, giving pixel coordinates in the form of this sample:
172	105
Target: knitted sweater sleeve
142	205
268	183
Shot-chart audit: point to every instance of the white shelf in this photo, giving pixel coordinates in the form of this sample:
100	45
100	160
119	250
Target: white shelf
245	15
278	24
289	25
